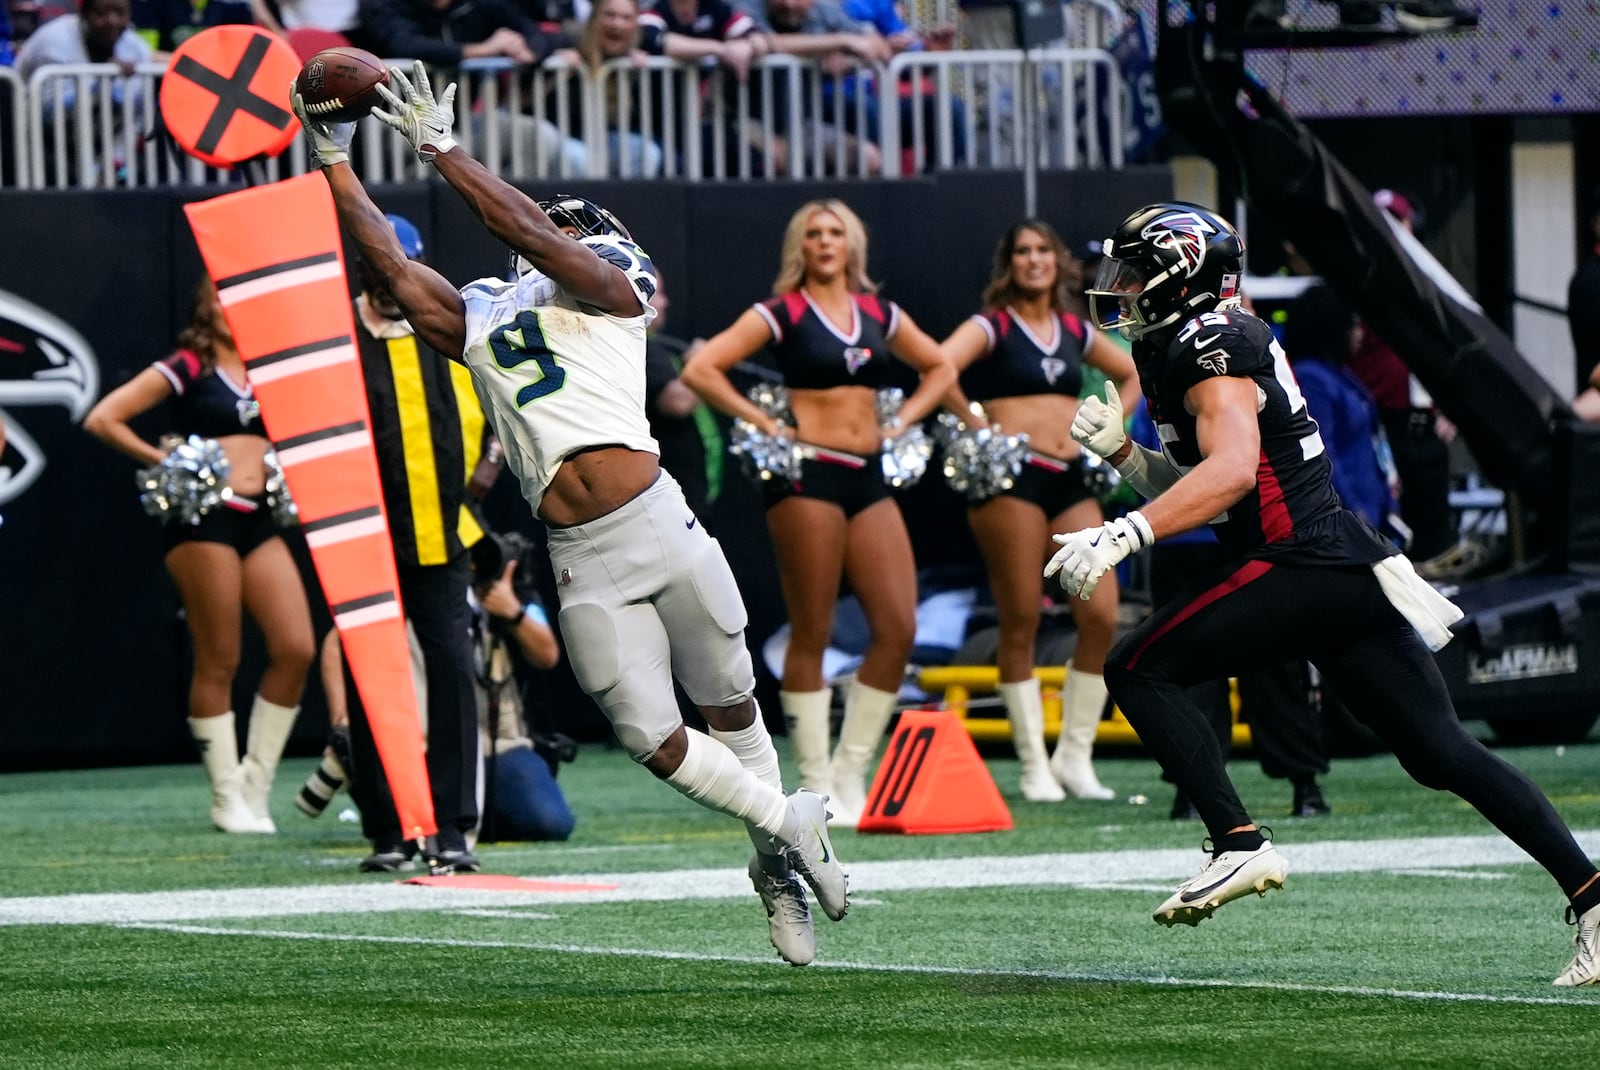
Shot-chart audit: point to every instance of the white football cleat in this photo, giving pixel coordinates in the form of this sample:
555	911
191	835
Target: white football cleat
788	917
1584	969
1224	878
810	853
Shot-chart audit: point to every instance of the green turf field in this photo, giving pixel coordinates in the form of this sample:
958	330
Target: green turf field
1409	934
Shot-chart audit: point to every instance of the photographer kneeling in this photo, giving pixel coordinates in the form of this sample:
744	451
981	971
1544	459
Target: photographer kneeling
522	800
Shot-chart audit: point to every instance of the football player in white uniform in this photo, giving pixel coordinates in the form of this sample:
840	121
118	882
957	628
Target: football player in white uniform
557	358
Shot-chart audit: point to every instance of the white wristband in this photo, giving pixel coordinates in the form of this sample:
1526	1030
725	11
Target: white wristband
1142	526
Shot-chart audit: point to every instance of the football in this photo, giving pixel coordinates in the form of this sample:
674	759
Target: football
340	85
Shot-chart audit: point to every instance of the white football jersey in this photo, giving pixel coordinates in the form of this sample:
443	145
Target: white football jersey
553	378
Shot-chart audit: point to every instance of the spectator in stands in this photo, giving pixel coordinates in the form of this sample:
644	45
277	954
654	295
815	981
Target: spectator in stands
101	32
701	31
886	17
992	25
704	29
442	33
1021	362
1583	297
285	17
613	33
682	424
819	29
833	338
232	559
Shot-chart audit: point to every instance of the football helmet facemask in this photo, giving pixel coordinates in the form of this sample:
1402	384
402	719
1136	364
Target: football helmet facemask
1163	264
579	213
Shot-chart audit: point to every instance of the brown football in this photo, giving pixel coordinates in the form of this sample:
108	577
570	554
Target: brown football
340	85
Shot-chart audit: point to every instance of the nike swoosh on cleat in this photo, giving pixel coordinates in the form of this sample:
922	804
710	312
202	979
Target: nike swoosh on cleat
1200	893
826	857
690	522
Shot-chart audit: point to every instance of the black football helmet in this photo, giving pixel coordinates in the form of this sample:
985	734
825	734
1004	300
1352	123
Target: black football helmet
581	214
1163	264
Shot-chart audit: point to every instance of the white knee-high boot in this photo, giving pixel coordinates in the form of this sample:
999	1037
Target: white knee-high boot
866	713
1082	699
219	751
807	715
1025	708
265	738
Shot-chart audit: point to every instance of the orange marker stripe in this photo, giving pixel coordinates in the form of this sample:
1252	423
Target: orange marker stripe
276	256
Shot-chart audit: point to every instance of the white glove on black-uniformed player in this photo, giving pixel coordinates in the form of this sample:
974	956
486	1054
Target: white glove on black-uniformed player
423	121
1087	555
1098	426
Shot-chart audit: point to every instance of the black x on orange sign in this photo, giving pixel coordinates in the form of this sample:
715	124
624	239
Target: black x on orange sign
225	97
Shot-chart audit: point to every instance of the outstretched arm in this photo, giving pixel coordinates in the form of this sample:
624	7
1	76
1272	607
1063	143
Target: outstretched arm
511	215
432	306
514	218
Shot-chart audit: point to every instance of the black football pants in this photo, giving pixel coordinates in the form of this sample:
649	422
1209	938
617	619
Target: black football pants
435	602
1249	616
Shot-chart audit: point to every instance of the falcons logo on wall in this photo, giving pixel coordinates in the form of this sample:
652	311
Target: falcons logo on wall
43	361
1185	233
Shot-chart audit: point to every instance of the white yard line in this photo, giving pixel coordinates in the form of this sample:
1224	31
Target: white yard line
887	967
1088	869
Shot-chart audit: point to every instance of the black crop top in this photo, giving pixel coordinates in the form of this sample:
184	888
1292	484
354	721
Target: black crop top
1017	363
813	354
209	404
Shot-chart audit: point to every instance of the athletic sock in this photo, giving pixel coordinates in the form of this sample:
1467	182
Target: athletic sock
711	775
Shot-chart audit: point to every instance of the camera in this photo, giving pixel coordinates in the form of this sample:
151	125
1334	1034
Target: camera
494	551
555	748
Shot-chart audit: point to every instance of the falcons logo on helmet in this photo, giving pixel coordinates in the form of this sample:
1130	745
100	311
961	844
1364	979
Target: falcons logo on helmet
1183	233
43	361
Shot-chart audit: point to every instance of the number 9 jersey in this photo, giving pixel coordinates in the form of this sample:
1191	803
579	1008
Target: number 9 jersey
555	377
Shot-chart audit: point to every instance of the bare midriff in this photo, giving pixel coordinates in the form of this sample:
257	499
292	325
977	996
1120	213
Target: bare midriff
841	418
593	482
1045	418
247	471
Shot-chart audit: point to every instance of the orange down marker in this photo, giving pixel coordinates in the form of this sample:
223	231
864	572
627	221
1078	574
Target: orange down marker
225	97
274	253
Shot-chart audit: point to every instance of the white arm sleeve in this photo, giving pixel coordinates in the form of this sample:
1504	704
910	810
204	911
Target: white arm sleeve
1147	471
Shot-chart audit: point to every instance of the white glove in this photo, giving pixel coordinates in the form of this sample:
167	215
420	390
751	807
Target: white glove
424	122
1087	555
1098	425
326	143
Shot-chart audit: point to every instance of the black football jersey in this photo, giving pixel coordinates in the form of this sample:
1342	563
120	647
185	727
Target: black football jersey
1293	512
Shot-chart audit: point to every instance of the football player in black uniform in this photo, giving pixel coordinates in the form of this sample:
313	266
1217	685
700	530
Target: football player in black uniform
1306	577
